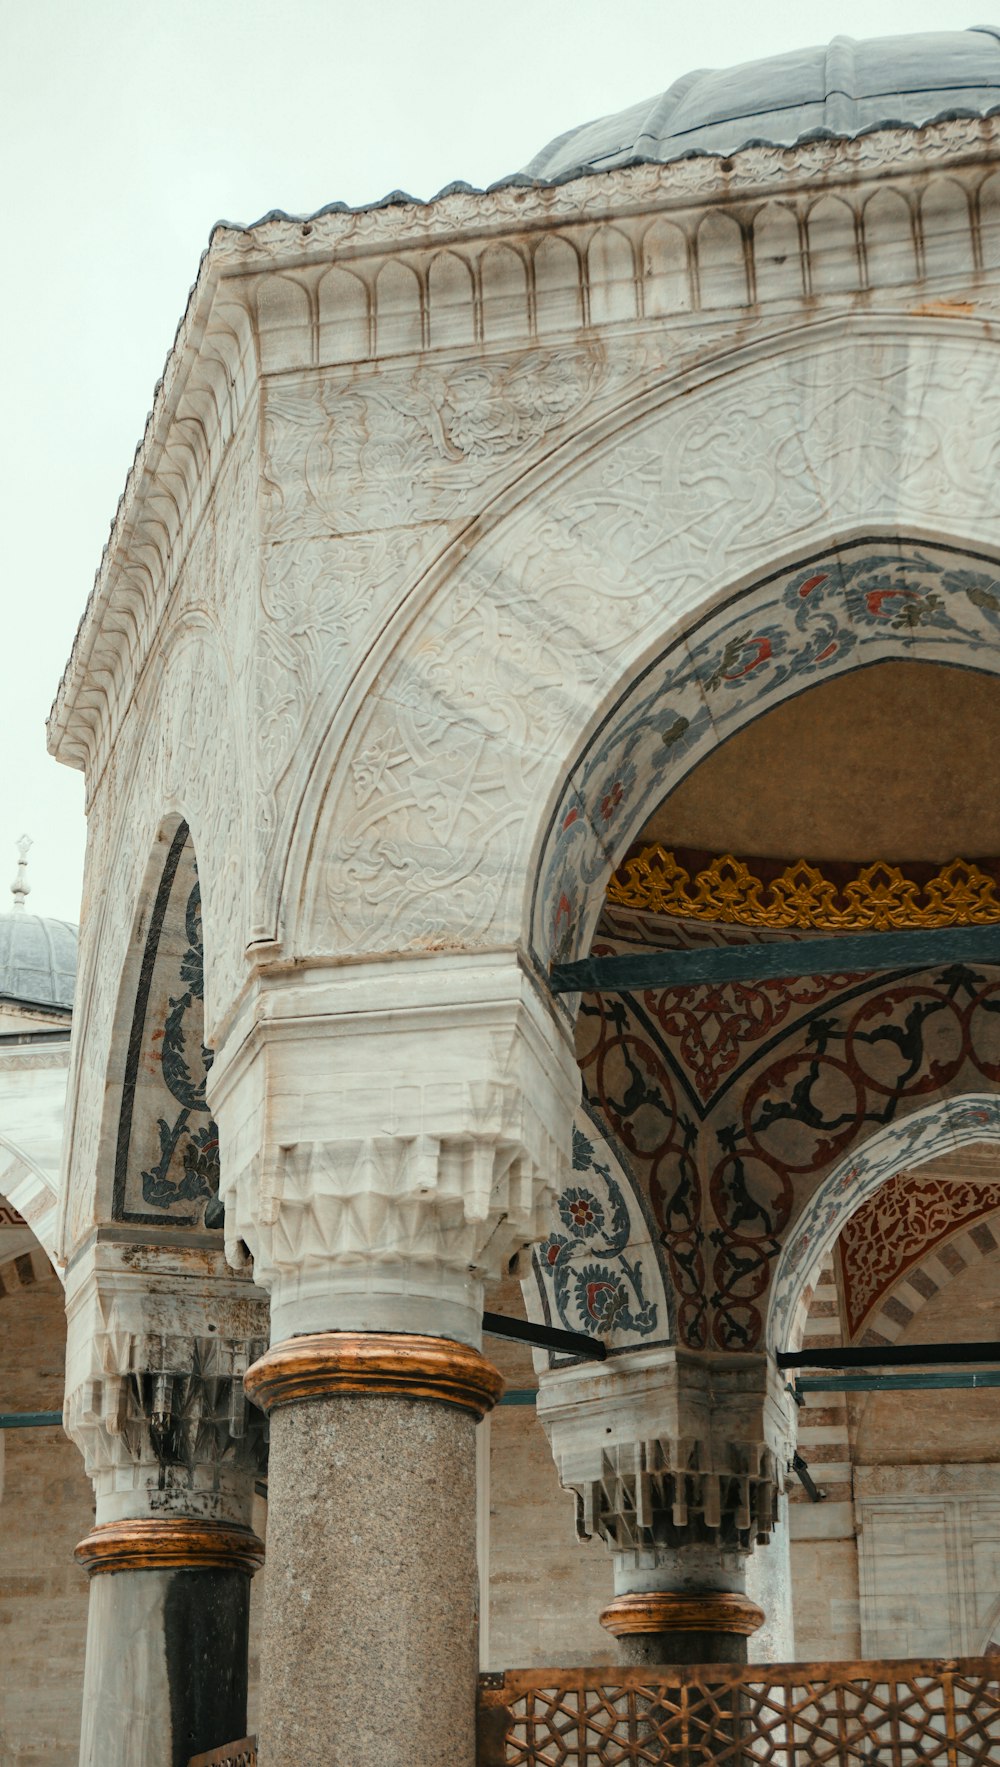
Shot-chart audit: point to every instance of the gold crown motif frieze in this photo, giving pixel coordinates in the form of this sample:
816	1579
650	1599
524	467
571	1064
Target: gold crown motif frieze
879	898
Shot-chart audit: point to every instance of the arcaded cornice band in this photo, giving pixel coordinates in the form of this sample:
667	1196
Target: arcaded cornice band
665	1610
169	1543
328	1364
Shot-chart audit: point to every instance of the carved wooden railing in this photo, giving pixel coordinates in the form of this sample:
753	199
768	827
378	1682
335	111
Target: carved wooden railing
890	1714
231	1754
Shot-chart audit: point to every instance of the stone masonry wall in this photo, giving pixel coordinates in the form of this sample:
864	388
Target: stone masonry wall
46	1506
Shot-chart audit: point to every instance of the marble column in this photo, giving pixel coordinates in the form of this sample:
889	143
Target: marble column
392	1132
166	1670
159	1341
370	1645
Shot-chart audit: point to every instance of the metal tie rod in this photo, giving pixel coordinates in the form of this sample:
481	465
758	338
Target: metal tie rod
854	952
544	1337
926	1381
29	1420
890	1356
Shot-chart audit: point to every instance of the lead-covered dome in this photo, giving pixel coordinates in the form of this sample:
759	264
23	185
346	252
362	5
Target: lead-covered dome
842	90
37	960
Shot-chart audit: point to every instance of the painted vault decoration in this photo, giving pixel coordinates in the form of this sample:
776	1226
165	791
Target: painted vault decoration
733	1102
894	1231
167	1159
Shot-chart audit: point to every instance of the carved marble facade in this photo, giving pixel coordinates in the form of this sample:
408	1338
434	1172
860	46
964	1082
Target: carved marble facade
460	535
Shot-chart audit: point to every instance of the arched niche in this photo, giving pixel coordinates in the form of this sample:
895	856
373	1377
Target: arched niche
160	1143
28	1193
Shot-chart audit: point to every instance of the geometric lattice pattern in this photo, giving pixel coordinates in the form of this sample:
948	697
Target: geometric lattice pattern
897	1714
231	1754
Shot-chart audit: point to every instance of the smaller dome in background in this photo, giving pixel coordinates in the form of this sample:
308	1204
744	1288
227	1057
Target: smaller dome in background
37	960
844	89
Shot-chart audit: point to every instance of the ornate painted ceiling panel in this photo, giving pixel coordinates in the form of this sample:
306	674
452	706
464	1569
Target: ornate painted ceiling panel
892	1232
733	1104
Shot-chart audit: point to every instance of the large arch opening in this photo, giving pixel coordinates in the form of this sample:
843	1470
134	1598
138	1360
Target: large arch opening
874	599
753	1120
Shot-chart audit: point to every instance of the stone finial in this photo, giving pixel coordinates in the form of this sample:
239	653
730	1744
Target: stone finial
20	888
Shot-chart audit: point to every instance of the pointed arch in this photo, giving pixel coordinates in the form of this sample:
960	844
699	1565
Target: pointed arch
945	1126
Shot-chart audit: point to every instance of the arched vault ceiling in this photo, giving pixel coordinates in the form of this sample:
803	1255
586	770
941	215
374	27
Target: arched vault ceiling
892	762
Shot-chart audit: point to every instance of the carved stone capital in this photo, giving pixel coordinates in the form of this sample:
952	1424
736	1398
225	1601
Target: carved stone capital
156	1354
670	1448
393	1132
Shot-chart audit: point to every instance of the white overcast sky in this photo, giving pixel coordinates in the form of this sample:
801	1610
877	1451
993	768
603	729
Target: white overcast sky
129	126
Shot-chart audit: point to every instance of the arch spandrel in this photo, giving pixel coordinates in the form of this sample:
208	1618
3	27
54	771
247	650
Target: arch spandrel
597	1270
456	772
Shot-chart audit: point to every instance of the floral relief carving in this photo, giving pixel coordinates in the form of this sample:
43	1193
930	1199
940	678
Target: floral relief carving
638	537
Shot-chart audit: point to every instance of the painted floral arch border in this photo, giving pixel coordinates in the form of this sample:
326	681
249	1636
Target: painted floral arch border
870	599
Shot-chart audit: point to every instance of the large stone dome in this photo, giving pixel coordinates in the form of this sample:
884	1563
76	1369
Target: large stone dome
844	89
37	960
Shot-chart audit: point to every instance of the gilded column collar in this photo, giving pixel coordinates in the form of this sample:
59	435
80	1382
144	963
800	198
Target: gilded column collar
322	1365
672	1611
166	1543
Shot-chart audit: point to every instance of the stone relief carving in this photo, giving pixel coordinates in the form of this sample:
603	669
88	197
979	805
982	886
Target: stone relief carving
641	538
207	391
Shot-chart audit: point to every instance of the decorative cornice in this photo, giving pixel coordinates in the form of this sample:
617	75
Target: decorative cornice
192	421
517	203
157	1543
324	1365
877	898
669	1611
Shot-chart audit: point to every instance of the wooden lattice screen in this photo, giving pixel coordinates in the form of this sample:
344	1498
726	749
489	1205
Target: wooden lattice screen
232	1754
890	1714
